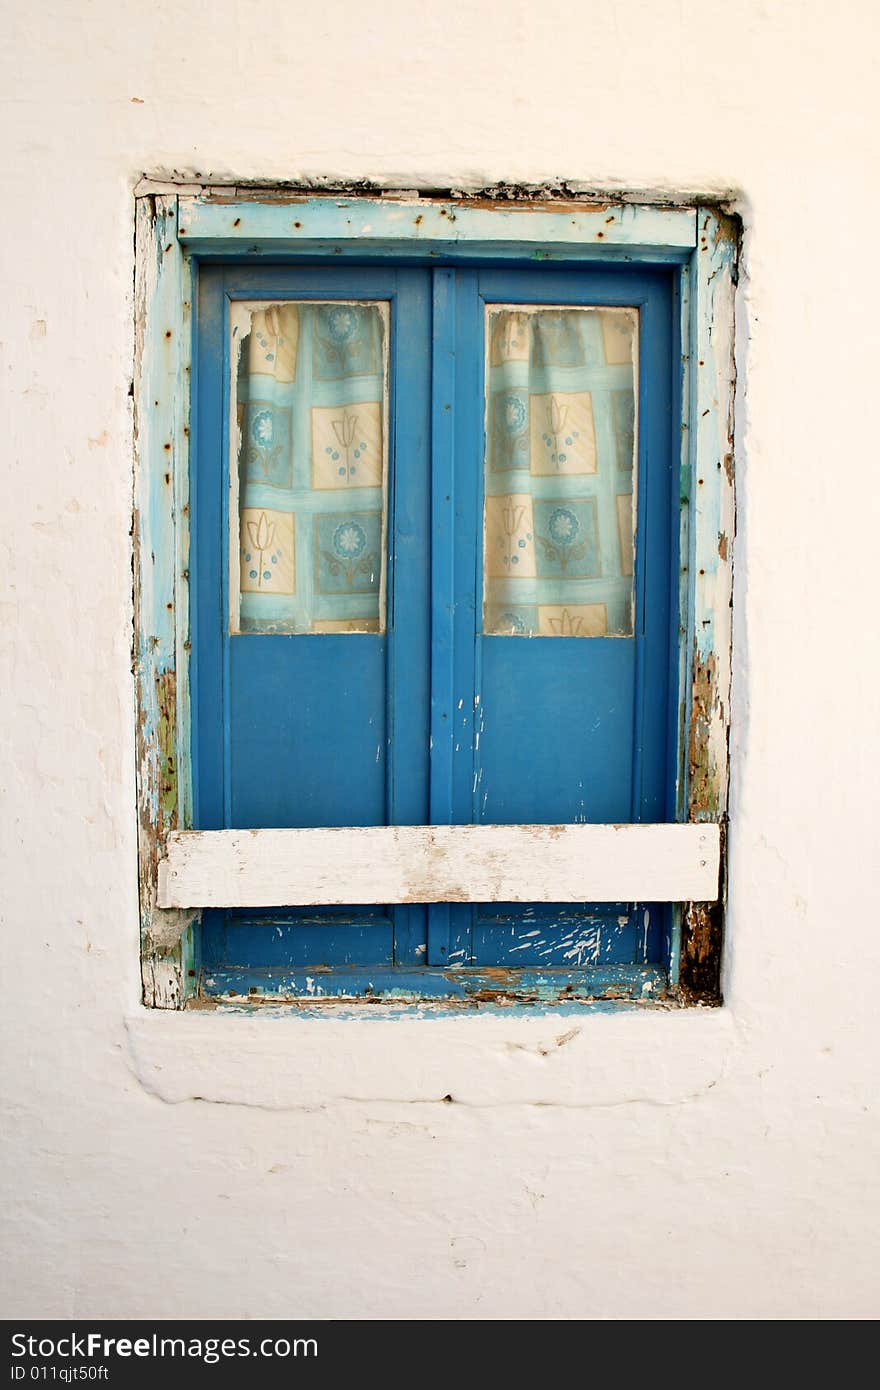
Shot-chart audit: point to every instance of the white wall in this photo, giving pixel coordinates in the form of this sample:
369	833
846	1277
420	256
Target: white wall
711	1164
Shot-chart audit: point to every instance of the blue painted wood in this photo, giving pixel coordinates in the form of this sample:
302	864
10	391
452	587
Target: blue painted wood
459	433
249	942
556	741
372	730
303	730
443	502
337	225
409	583
571	936
570	729
307	730
469	442
551	986
208	568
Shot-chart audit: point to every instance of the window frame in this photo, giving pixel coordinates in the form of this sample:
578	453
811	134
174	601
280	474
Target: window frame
176	231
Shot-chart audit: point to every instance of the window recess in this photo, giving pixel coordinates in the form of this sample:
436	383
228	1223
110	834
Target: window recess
433	599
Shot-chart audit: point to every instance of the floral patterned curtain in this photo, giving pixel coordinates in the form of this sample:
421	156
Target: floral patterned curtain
311	478
559	466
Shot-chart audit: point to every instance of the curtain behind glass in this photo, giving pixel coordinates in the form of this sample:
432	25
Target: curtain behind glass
560	454
309	409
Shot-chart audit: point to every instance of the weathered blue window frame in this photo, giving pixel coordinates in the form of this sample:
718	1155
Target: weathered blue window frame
176	236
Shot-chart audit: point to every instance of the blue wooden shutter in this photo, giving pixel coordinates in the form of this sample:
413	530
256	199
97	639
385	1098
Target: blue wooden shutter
349	729
563	729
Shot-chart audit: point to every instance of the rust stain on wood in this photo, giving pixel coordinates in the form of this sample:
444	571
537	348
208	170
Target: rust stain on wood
701	762
157	724
728	232
524	202
720	234
700	978
157	375
166	702
702	922
525	197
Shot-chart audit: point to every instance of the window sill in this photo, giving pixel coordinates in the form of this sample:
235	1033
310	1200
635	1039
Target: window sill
280	1058
468	987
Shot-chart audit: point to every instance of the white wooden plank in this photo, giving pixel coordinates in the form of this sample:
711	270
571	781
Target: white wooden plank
440	863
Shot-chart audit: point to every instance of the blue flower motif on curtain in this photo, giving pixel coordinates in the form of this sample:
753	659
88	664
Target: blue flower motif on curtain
510	432
567	538
266	444
348	552
347	342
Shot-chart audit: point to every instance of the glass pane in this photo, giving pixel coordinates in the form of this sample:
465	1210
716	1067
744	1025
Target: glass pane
308	475
559	518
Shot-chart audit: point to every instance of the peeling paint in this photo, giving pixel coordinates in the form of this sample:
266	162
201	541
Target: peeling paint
700	979
701	767
708	588
575	226
579	219
295	190
160	545
455	989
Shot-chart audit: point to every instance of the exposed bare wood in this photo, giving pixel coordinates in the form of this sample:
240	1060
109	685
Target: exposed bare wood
160	534
713	524
301	219
161	546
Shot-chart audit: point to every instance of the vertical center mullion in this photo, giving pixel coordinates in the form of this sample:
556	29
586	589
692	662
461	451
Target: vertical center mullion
442	583
408	652
456	448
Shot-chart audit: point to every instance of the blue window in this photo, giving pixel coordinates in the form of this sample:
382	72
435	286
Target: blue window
434	575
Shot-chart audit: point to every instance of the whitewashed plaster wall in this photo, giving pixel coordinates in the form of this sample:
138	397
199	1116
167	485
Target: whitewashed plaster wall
709	1165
